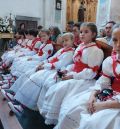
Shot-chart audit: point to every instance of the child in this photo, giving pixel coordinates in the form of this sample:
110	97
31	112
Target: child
18	83
99	108
79	77
54	32
76	32
16	58
8	56
34	83
32	48
45	51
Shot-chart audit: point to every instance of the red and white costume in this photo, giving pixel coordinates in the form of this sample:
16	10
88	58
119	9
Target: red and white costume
30	50
76	115
87	60
9	54
45	51
31	88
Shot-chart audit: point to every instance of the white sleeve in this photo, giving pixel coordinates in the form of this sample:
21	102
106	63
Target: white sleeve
35	57
95	59
29	53
69	67
47	51
55	55
37	46
65	60
105	81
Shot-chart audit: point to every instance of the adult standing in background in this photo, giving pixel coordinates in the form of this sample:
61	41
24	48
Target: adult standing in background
108	32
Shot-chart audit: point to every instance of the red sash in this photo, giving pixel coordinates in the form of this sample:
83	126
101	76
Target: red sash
40	52
33	43
79	66
116	82
55	59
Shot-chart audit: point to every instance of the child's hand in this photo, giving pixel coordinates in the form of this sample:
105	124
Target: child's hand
67	77
29	59
64	71
99	106
40	67
91	101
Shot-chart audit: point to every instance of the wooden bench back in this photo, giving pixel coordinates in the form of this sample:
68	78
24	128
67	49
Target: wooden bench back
107	49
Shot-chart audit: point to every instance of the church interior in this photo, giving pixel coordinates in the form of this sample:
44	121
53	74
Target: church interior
89	13
60	64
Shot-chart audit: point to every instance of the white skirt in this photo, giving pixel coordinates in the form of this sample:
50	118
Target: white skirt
60	92
74	115
49	82
21	80
29	92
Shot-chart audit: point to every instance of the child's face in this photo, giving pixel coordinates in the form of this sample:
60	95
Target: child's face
116	40
31	37
69	28
17	36
27	36
44	37
86	35
67	41
75	31
59	44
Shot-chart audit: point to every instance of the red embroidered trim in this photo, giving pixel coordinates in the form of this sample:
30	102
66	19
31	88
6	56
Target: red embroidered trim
103	74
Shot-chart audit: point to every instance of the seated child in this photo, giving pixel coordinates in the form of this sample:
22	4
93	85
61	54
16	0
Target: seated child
98	107
79	76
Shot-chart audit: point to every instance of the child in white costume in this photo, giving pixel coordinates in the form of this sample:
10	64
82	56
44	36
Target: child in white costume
91	109
31	88
21	41
87	60
18	83
45	51
33	48
30	50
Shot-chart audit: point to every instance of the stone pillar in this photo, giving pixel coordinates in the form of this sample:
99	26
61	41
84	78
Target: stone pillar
108	10
53	16
115	10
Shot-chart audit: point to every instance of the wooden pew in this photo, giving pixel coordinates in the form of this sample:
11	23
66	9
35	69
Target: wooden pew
107	49
8	122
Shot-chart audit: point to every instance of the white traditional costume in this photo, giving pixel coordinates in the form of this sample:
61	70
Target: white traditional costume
76	116
28	93
87	60
30	50
27	53
11	54
45	51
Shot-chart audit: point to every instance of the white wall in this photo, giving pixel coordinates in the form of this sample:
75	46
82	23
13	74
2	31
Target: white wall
103	12
50	17
31	8
110	12
115	10
43	9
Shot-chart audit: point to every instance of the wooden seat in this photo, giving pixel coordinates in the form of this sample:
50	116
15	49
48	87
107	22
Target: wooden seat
107	49
8	122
